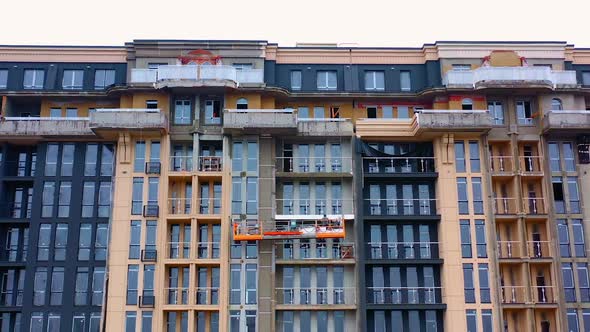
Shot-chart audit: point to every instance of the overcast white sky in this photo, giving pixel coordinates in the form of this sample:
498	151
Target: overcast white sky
367	22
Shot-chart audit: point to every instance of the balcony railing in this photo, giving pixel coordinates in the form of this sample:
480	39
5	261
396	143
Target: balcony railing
210	205
196	73
316	295
179	206
322	228
260	120
509	249
115	119
314	164
513	294
544	294
314	207
178	250
296	250
402	250
566	119
401	207
208	250
510	75
390	165
404	295
530	165
15	210
501	164
181	164
151	210
177	295
534	205
153	167
210	164
539	249
505	205
18	168
207	295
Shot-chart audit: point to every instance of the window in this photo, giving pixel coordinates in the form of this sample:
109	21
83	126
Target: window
462	195
3	78
554	159
568	156
65	195
524	113
81	288
568	282
55	112
374	80
51	160
44	242
462	67
212	112
586	82
468	283
583	282
104	199
34	79
572	321
132	278
53	322
303	112
480	238
372	112
460	157
88	200
578	231
242	104
487	320
131	320
148	279
48	199
327	80
496	110
252	195
556	104
564	239
57	286
84	242
471	320
574	198
60	243
134	240
296	80
405	80
71	112
90	159
477	195
67	159
139	160
465	238
40	286
73	79
182	112
387	112
103	78
319	112
403	112
558	196
146	321
474	161
467	104
484	284
151	104
153	184
101	242
78	322
137	196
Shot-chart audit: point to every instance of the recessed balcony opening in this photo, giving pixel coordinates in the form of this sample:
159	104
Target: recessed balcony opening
210	156
181	159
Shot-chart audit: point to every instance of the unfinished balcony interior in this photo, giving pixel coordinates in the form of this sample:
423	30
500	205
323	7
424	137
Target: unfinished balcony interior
543	289
530	160
210	163
401	243
533	199
179	245
318	159
18	162
181	159
315	287
180	198
513	284
501	163
209	199
17	200
538	247
14	241
509	241
506	201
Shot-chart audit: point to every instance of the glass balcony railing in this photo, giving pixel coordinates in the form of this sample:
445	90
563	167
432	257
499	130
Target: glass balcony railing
402	250
401	207
404	295
316	295
303	250
314	164
392	165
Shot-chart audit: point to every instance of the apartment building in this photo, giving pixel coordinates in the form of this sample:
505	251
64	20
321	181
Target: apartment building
182	185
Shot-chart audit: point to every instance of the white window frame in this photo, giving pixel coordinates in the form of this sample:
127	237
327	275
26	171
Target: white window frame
298	80
37	74
323	80
71	85
371	76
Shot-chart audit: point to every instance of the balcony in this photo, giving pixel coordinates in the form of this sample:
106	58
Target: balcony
450	120
181	164
404	295
177	295
210	205
210	164
501	166
105	121
325	228
46	127
15	210
505	205
534	205
179	206
197	76
207	295
178	250
374	166
208	250
556	121
308	166
509	249
513	294
539	249
510	77
544	294
402	250
401	207
310	296
20	169
261	121
313	209
324	127
531	166
297	250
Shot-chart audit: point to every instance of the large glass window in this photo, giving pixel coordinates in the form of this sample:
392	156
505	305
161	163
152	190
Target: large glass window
462	195
564	238
67	159
81	288
497	112
137	196
583	282
474	157
182	112
134	239
34	79
40	286
104	200
103	78
484	284
73	79
130	321
57	286
460	157
44	242
327	80
471	320
132	283
101	242
139	160
480	238
574	198
65	195
3	78
568	282
48	199
375	80
296	80
468	283
405	80
61	242
106	160
88	200
477	195
579	242
84	242
465	238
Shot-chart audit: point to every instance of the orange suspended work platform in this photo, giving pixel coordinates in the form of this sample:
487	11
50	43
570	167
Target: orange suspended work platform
325	228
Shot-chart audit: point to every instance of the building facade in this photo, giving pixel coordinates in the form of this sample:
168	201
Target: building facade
178	185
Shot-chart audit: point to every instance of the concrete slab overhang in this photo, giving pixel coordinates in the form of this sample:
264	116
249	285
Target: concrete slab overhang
567	120
108	121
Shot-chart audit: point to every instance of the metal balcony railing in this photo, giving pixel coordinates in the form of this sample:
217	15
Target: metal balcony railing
509	249
210	205
314	164
207	295
534	205
179	206
316	295
402	250
544	294
531	165
314	207
178	250
513	294
539	249
389	165
181	164
404	295
505	205
401	207
208	250
177	295
501	164
297	250
210	164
